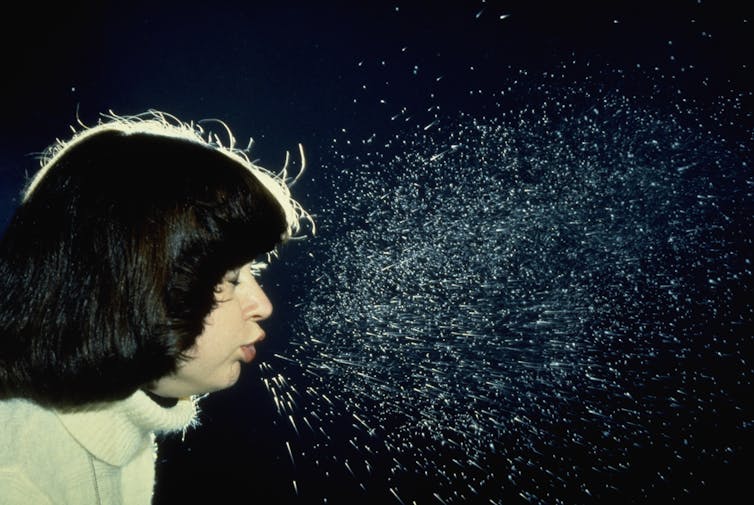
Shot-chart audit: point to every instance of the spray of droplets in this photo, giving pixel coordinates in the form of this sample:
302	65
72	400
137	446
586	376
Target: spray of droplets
547	305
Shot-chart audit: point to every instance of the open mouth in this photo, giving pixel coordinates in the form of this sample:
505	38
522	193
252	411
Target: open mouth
249	352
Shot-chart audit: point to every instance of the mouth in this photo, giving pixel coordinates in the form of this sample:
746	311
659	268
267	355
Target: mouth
249	351
262	335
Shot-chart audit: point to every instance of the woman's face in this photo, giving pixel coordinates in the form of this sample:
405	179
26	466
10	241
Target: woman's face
230	332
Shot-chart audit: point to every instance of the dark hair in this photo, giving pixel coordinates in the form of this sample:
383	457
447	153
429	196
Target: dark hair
108	266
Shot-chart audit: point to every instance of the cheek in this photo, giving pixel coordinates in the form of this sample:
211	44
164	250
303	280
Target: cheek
223	323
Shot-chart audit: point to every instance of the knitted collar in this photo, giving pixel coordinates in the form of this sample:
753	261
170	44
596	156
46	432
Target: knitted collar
116	432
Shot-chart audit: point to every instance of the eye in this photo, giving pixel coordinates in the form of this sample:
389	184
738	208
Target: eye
233	277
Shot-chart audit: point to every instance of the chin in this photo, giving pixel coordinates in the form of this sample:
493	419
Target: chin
235	374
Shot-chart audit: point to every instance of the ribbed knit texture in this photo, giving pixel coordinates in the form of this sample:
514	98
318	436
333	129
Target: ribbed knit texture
102	455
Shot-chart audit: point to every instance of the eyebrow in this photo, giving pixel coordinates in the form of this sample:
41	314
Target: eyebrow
232	273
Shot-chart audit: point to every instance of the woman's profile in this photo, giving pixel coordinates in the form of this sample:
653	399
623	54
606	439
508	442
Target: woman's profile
127	288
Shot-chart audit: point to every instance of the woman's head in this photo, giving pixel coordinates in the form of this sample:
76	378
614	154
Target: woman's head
109	266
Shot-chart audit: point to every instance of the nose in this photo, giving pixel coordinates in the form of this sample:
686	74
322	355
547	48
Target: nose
256	305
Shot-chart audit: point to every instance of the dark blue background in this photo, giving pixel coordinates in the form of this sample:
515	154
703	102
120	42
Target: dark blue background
287	72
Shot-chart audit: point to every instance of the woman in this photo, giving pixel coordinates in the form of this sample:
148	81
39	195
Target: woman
127	287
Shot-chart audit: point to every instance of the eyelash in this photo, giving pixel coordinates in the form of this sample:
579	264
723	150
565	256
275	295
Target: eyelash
256	270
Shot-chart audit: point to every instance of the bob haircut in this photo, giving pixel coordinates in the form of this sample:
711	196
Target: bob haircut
109	264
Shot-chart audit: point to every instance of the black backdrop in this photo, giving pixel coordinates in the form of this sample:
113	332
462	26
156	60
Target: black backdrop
287	72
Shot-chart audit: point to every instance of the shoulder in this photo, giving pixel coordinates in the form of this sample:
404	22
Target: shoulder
25	463
36	448
22	420
18	489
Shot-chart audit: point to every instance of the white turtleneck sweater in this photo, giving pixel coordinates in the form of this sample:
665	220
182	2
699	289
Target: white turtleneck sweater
104	455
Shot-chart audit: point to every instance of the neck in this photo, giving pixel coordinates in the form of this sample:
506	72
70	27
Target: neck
162	401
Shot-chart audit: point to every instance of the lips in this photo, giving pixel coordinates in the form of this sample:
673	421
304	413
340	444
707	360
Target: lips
249	351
